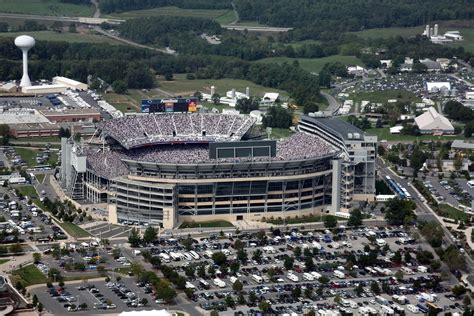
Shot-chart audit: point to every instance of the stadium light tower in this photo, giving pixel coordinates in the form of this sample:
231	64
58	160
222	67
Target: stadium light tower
25	43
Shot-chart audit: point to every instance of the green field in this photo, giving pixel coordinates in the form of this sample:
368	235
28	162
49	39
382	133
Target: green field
384	134
129	102
40	177
74	230
45	7
206	224
49	139
64	37
314	64
453	213
27	190
171	11
29	275
383	96
181	86
226	18
278	133
467	32
29	156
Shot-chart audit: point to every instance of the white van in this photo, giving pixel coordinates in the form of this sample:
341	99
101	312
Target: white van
339	274
292	277
218	282
316	275
233	279
257	278
308	276
412	308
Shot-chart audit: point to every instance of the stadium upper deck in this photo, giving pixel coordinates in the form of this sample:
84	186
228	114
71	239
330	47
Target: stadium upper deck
141	130
109	163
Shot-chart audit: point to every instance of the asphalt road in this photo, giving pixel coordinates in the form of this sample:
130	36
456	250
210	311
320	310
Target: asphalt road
334	104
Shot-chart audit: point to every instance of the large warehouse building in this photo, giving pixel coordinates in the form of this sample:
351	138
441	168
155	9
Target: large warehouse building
167	168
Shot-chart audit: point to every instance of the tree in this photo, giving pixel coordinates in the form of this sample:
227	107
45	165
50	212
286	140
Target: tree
247	105
288	263
296	293
119	87
229	301
216	98
16	248
454	259
458	290
467	300
234	266
355	218
399	275
238	244
36	257
40	307
375	288
264	306
278	117
330	221
237	286
35	300
219	258
297	252
150	234
201	271
164	291
399	212
134	238
433	232
257	255
424	256
5	134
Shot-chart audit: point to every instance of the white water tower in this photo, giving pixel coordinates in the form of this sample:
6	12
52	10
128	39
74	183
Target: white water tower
25	43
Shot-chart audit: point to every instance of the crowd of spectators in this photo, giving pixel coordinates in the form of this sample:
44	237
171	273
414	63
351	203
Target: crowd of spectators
137	130
108	162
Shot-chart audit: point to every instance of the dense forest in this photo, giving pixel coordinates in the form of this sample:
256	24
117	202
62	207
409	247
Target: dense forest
312	18
110	6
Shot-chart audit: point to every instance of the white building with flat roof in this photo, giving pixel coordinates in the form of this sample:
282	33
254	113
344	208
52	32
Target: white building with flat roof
44	89
70	83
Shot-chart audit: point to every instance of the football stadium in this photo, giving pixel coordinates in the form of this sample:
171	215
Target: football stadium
167	168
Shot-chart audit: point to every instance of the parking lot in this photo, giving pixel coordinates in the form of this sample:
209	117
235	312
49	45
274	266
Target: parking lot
28	220
100	297
454	192
356	271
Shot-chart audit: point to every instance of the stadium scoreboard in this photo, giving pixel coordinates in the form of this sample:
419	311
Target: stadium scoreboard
244	149
169	105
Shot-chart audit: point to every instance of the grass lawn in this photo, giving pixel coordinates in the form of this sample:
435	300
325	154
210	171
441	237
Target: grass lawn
453	213
219	107
314	64
27	190
226	18
172	11
40	177
65	37
383	96
2	261
294	220
129	102
444	26
29	275
45	7
181	86
206	224
74	230
28	155
278	133
384	134
49	139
